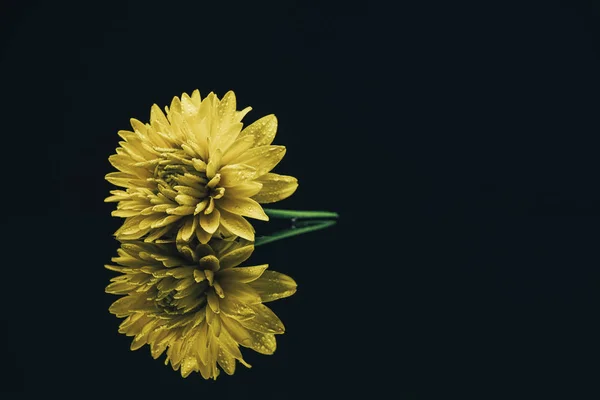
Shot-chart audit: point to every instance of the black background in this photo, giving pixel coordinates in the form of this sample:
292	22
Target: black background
456	140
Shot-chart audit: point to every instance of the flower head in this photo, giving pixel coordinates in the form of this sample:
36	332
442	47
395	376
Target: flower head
195	172
197	304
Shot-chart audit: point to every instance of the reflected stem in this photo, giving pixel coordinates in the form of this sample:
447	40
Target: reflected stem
299	227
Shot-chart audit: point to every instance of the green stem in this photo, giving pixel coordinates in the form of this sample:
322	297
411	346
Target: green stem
291	214
307	226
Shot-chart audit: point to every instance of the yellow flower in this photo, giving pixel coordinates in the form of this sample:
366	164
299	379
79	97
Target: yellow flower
197	304
195	172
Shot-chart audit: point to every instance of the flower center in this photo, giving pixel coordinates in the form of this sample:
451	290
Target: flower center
166	304
174	303
185	180
172	173
187	290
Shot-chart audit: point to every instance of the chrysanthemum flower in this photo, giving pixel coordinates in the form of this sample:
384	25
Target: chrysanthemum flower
197	304
195	172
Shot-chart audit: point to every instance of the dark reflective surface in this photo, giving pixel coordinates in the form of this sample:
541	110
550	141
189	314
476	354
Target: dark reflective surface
457	142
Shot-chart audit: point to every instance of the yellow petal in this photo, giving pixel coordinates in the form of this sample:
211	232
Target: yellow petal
123	163
162	208
263	343
242	274
175	105
238	147
188	365
174	353
228	133
211	206
165	194
167	285
207	106
131	224
118	195
199	144
131	232
241	292
201	206
275	188
209	262
138	126
214	181
198	318
213	350
120	179
199	165
264	320
180	128
235	309
214	163
138	341
149	220
242	206
226	108
235	257
210	222
128	135
240	334
263	129
274	285
167	340
124	213
167	261
198	192
123	305
120	288
166	221
189	150
157	116
196	99
188	229
214	322
205	371
181	210
204	250
187	105
229	345
216	327
210	276
191	180
128	259
239	115
158	233
235	174
156	349
213	301
192	291
202	235
246	189
188	304
123	270
226	361
133	324
237	225
184	284
200	344
263	158
218	290
199	275
218	192
186	200
180	273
